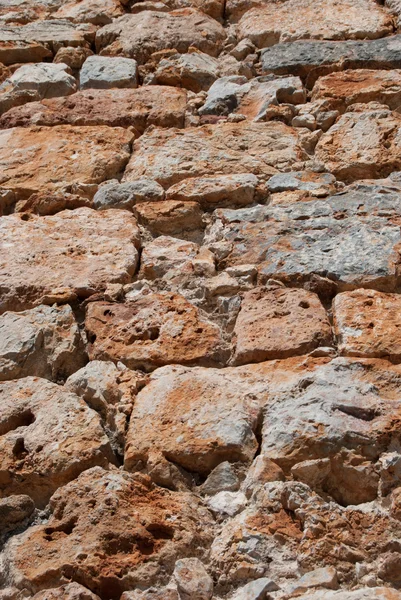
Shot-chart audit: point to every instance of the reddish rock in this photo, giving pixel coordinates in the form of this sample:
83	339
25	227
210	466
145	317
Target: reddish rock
344	88
170	217
314	19
48	437
62	257
111	530
218	190
54	159
368	324
137	108
169	156
68	591
279	323
138	36
98	12
362	145
154	330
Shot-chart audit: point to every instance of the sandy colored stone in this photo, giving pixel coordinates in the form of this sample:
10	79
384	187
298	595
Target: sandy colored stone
279	323
342	89
362	145
138	36
194	71
15	512
62	257
68	591
47	80
154	330
379	593
195	418
314	19
111	530
170	217
98	12
193	581
48	437
214	8
367	324
215	191
226	149
43	342
166	256
319	242
312	59
84	155
73	57
137	108
110	390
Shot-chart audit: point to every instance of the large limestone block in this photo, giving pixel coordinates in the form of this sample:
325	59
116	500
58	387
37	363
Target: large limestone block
68	591
41	39
367	323
104	72
230	148
44	342
48	436
98	12
113	531
154	330
214	8
47	80
341	89
194	71
138	36
279	323
218	190
137	108
195	418
362	145
311	59
331	239
50	159
62	257
314	19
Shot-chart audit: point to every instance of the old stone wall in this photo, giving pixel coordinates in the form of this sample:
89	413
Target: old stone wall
200	299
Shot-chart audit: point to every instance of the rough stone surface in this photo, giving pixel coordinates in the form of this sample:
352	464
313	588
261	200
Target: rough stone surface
367	324
193	580
44	342
48	437
194	71
137	109
310	19
156	528
57	259
102	72
227	149
68	591
310	59
138	36
279	323
80	156
216	191
47	80
154	330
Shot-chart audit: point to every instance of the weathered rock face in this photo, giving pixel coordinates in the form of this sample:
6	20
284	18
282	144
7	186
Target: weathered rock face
44	342
231	148
155	330
81	539
200	276
48	437
137	109
299	19
51	259
279	323
84	156
138	36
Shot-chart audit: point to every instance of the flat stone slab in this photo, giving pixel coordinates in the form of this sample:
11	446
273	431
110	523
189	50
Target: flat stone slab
367	323
292	20
362	145
154	330
46	80
137	108
58	258
229	148
340	90
138	36
105	72
312	59
279	323
331	238
48	437
52	159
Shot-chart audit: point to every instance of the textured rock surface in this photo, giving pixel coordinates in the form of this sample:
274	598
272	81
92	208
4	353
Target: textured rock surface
171	156
50	259
78	156
137	109
44	342
200	276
